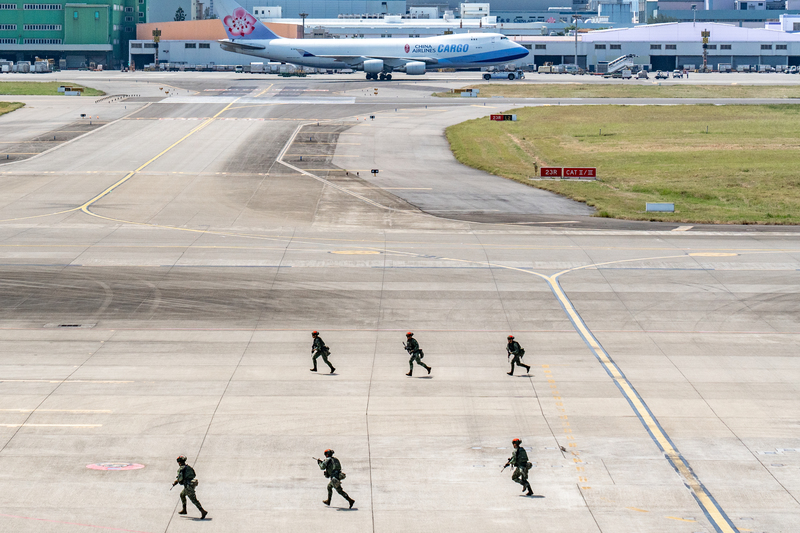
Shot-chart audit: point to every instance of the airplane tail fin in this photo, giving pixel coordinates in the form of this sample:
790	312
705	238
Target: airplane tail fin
239	24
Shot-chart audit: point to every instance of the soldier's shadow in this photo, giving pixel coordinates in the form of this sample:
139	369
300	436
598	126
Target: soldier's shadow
345	509
531	496
425	377
197	519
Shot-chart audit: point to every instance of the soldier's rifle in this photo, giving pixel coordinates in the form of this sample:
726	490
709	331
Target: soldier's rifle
506	466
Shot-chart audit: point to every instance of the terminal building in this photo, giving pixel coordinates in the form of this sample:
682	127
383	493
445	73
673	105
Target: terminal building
674	46
78	32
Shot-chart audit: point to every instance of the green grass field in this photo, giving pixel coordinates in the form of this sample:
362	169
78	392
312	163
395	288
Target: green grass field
746	169
28	88
8	107
619	90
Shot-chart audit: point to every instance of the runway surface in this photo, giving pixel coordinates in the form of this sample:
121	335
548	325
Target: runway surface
161	276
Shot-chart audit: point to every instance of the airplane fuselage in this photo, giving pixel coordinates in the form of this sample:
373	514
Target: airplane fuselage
449	51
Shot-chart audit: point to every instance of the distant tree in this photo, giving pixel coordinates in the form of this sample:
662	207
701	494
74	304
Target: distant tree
180	15
661	19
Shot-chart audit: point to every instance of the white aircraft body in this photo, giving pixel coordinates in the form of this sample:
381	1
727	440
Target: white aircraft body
377	57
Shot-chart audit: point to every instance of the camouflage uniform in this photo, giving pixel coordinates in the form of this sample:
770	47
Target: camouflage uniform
319	349
516	350
412	347
186	478
333	470
519	460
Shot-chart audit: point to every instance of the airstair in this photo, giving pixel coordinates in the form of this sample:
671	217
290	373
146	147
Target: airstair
622	62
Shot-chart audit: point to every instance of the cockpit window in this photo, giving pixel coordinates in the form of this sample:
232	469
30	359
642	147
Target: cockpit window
503	38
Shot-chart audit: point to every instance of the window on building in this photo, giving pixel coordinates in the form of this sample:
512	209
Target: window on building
205	45
712	46
141	15
541	47
527	46
796	26
780	47
655	47
616	47
136	45
190	45
149	45
75	15
8	41
41	27
670	47
129	29
42	41
128	10
96	15
8	6
11	27
128	19
724	47
766	47
42	7
599	47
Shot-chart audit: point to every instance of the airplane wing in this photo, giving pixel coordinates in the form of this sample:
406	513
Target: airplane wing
389	60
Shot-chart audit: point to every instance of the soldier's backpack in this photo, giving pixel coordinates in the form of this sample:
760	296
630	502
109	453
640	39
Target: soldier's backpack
521	351
189	476
337	470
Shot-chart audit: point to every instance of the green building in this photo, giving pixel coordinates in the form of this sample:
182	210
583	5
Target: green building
79	33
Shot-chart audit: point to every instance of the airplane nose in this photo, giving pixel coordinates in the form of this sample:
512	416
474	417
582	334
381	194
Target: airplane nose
523	49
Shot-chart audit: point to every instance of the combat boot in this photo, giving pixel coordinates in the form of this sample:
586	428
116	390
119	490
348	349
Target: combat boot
313	369
530	489
326	502
333	370
429	370
527	369
510	373
183	511
203	513
351	501
409	374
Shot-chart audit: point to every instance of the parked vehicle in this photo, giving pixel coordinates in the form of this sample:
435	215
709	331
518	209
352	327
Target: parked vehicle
238	69
662	75
503	75
642	75
677	74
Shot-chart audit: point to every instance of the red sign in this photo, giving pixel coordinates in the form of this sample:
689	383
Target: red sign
497	117
580	172
407	49
551	172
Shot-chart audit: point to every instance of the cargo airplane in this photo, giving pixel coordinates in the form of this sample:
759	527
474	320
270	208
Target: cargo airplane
377	57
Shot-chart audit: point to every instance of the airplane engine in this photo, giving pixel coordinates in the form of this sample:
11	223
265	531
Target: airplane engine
373	66
415	68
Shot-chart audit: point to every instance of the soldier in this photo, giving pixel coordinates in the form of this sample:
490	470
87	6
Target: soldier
188	479
318	349
513	348
333	470
412	347
519	460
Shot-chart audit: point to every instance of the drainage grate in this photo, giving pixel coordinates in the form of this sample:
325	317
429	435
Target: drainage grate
78	326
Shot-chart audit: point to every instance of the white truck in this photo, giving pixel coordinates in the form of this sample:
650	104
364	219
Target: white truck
504	75
257	68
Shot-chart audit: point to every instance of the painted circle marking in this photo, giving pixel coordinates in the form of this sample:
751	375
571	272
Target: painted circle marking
115	466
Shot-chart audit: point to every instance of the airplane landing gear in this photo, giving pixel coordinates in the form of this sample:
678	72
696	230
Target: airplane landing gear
388	77
383	76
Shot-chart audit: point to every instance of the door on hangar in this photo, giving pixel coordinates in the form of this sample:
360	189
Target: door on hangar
663	62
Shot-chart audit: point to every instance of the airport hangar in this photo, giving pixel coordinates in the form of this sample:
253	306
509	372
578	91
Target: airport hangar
662	46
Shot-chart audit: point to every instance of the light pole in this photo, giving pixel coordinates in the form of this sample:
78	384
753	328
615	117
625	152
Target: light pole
576	18
303	16
694	15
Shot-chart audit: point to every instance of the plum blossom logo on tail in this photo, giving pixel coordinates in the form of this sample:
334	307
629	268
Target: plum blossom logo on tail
241	23
408	49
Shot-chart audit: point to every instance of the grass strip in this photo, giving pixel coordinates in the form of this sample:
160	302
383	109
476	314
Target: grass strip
41	88
745	170
8	107
627	90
